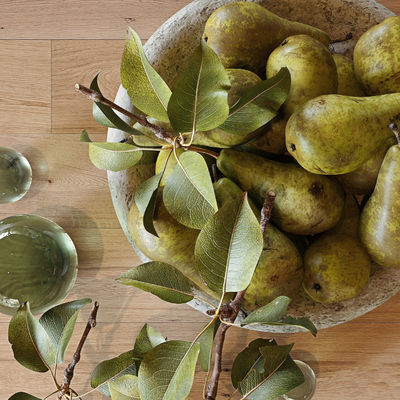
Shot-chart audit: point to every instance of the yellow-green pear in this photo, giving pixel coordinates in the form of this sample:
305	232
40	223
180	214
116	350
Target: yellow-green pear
335	134
244	34
279	271
175	244
363	179
347	81
377	58
336	266
379	226
311	66
270	142
305	203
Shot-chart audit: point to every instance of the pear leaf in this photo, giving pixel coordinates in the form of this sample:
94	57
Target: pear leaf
248	359
84	137
106	116
160	279
23	396
30	342
258	105
271	312
167	371
188	193
199	101
301	322
146	89
109	370
124	388
114	156
270	385
59	323
229	246
147	339
206	341
146	198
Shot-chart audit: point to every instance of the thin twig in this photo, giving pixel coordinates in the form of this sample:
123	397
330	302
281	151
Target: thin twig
69	372
231	310
99	98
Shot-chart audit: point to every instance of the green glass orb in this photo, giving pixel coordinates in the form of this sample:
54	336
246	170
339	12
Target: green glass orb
38	263
15	175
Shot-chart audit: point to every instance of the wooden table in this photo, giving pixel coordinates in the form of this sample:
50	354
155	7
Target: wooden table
45	48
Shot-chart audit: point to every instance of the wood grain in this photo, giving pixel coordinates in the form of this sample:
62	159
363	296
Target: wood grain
46	47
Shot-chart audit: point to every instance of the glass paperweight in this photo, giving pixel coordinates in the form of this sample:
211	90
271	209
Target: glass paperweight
307	389
38	263
15	175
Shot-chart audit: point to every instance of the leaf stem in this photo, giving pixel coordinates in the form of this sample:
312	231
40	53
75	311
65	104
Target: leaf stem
99	98
69	371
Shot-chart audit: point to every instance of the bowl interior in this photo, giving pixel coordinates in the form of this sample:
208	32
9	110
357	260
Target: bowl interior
167	49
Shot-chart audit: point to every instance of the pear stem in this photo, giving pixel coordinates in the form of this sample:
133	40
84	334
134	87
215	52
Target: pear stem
395	129
99	98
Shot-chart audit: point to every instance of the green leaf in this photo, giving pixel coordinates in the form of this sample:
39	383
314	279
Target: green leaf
59	323
146	89
106	116
206	341
271	312
84	137
23	396
109	370
229	246
258	105
124	388
199	101
248	359
30	343
160	279
147	339
188	193
167	371
261	386
114	156
146	198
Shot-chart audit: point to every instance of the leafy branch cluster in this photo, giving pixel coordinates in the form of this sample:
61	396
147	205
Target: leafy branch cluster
228	246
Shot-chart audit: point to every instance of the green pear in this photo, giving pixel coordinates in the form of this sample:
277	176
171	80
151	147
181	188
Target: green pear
175	244
336	266
244	34
279	271
377	58
305	203
270	142
335	134
379	226
363	179
311	66
347	81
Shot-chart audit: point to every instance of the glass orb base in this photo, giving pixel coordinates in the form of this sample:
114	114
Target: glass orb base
38	263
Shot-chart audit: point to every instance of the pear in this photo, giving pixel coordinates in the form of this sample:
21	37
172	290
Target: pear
379	226
305	203
363	179
377	58
311	66
336	266
347	81
335	134
244	34
175	244
270	142
279	271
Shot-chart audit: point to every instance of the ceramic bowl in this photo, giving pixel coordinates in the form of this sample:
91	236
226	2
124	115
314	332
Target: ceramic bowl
167	49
